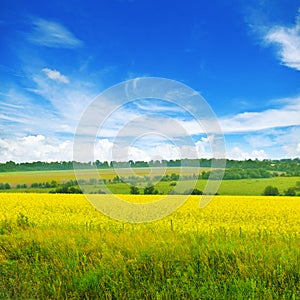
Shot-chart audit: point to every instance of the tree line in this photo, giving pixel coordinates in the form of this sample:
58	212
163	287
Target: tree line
288	167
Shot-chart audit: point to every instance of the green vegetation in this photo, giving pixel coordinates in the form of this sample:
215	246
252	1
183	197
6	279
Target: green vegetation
240	177
249	168
271	191
165	266
150	190
5	186
290	192
289	186
134	190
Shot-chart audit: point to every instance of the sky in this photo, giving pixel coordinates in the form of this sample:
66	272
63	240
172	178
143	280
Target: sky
242	57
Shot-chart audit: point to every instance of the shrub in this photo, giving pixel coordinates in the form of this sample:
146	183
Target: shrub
134	190
150	190
67	190
290	192
271	191
193	192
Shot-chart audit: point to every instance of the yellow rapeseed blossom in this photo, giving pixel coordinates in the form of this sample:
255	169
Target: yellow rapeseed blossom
277	215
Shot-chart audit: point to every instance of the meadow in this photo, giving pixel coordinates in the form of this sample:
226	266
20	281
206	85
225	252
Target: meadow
249	186
238	247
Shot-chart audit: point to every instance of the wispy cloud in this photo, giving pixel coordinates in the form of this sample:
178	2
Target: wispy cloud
24	116
286	116
288	41
56	75
68	101
46	108
52	34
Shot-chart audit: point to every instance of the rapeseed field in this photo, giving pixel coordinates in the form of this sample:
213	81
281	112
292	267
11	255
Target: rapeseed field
56	246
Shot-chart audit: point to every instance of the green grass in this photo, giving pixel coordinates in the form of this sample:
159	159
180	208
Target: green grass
255	186
90	264
241	186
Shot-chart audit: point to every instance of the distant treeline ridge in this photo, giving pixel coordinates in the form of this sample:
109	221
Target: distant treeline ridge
290	167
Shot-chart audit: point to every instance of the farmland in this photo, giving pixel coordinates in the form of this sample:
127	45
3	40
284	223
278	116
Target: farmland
250	186
59	246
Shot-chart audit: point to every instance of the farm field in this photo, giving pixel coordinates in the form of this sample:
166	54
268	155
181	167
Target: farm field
251	186
237	247
29	177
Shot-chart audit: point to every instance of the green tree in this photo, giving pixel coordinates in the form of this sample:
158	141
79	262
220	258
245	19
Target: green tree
271	191
150	190
290	192
193	192
134	190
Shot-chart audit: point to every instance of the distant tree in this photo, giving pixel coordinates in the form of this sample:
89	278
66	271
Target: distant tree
174	177
290	192
116	179
271	191
54	183
196	192
134	190
66	190
193	192
150	190
47	185
4	186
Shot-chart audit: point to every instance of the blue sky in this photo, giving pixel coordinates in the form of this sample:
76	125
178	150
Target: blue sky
243	57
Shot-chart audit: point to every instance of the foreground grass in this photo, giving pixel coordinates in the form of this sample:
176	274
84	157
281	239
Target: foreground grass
59	247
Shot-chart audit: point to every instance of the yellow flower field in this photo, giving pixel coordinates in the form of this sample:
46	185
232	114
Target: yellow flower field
57	246
280	215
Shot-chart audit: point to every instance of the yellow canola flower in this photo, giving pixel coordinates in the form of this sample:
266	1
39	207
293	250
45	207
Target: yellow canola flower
253	214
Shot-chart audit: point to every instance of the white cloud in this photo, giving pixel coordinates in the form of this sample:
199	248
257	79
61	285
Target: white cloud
35	148
103	150
288	41
239	154
55	75
292	150
150	149
52	34
286	116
